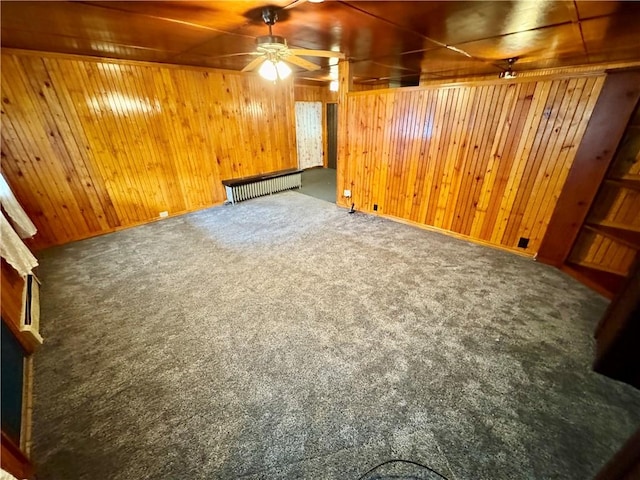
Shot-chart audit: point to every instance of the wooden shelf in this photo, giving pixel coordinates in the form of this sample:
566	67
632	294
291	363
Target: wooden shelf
629	238
595	266
621	226
628	176
623	183
605	283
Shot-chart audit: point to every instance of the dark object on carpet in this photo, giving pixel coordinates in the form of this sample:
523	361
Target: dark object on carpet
415	471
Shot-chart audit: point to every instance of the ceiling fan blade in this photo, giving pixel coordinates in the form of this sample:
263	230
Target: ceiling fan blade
316	53
301	62
229	55
295	3
255	63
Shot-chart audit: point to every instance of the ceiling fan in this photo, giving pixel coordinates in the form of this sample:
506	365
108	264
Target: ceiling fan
273	54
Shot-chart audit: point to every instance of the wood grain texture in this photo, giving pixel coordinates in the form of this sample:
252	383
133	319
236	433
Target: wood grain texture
345	81
485	161
610	239
539	73
616	207
309	93
606	127
90	147
602	253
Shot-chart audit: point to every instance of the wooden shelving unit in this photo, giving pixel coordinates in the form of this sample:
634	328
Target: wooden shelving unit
609	241
623	183
630	238
605	283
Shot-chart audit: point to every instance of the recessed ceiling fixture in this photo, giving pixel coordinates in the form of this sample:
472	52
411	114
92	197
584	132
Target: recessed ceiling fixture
316	1
273	54
508	73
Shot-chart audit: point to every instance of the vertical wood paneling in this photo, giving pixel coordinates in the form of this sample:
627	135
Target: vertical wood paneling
91	146
609	241
604	254
617	207
607	124
485	161
311	93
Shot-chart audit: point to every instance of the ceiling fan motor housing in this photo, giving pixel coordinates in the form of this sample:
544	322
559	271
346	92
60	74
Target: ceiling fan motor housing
271	43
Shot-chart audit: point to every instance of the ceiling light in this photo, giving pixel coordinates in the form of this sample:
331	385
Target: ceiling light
333	85
508	73
272	71
268	71
283	70
316	1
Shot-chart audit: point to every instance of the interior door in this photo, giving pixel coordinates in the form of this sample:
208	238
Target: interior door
309	134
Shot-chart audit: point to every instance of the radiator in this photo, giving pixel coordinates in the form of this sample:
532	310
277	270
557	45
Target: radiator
238	193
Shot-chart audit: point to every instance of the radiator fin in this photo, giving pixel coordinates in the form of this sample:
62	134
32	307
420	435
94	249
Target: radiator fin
263	187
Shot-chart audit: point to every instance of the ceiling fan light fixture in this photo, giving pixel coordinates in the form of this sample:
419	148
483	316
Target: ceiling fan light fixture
271	70
508	73
268	71
274	55
283	70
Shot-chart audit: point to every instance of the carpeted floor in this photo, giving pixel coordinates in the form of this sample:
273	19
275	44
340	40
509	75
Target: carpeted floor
319	183
283	338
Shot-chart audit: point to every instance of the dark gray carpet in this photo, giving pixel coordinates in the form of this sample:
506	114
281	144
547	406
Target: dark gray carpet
319	183
283	338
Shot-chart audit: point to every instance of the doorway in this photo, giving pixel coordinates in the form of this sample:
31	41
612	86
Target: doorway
309	134
332	135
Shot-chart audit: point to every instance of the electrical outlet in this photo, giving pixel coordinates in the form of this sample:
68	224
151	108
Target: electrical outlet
164	214
375	207
523	242
347	193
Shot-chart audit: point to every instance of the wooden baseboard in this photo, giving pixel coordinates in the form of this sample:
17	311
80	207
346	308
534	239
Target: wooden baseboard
131	225
449	233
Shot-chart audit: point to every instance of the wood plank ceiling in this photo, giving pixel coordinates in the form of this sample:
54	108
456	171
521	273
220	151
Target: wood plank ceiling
386	41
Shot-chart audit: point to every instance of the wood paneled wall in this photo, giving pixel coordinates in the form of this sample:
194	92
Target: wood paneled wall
617	207
603	253
311	93
484	161
363	87
610	237
576	70
93	146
